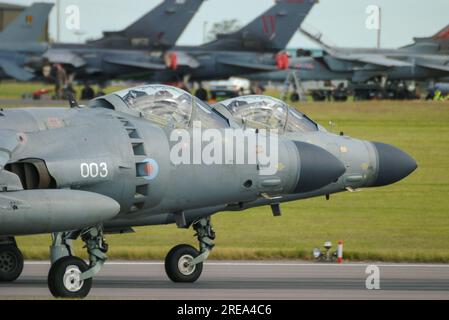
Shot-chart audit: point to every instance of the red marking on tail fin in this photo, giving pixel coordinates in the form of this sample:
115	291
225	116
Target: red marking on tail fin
264	24
443	34
269	24
273	24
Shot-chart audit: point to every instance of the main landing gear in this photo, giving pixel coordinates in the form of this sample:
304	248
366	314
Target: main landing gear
70	276
184	263
11	260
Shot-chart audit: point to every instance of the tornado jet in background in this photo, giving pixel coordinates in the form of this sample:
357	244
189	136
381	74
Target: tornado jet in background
19	46
105	168
425	59
254	48
132	52
257	47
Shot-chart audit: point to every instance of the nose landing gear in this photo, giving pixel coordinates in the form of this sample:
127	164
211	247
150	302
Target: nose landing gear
184	263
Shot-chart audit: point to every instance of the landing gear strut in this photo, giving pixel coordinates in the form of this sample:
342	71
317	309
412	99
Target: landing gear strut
11	260
70	276
184	263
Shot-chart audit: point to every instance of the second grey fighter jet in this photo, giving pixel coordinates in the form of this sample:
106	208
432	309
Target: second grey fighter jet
367	164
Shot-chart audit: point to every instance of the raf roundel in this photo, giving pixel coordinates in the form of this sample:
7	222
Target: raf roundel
149	169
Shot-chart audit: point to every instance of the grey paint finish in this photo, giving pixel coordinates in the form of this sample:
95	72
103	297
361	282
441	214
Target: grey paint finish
363	165
112	144
44	211
158	29
110	133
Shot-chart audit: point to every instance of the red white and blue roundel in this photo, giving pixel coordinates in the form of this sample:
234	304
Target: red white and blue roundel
148	169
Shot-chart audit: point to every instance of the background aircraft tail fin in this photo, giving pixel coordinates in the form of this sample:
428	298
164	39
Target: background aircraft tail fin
28	25
442	34
164	24
271	31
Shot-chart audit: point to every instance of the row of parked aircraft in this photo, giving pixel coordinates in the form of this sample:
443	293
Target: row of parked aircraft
147	50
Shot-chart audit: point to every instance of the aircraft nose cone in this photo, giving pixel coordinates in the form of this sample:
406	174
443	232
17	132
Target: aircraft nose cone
318	168
393	164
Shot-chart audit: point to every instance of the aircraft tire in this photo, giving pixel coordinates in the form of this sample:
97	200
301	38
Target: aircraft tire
63	278
11	263
175	264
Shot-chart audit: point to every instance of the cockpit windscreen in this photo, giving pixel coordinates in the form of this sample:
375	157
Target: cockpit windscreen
262	112
171	107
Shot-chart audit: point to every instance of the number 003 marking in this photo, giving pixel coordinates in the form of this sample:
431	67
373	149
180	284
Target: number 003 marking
93	170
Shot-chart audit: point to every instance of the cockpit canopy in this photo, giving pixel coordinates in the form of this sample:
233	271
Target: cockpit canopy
262	112
168	107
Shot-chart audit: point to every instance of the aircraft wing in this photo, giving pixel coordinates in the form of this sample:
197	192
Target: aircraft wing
248	65
384	61
433	66
64	57
378	60
136	64
15	71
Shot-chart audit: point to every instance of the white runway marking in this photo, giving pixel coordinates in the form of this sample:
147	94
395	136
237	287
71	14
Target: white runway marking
268	264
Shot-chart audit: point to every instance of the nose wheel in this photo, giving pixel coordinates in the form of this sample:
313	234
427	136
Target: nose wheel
184	263
178	264
64	278
11	263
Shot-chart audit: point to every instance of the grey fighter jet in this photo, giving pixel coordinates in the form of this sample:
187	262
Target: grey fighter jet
425	59
19	46
131	53
255	48
124	161
367	164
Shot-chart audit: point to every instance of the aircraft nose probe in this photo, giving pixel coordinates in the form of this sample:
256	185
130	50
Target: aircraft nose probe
393	164
318	167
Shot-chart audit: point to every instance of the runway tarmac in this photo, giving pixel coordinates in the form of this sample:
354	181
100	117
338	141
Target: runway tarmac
247	280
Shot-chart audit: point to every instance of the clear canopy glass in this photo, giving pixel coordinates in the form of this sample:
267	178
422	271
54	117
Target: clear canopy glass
262	112
171	107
